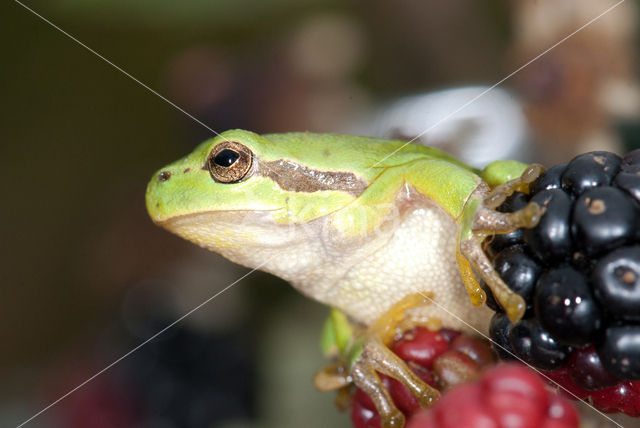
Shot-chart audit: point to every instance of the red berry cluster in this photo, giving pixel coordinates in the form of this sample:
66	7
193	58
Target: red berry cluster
442	359
508	395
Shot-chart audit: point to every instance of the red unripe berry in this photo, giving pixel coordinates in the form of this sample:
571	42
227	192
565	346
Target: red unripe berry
453	368
421	346
422	419
462	407
476	349
361	417
515	395
561	414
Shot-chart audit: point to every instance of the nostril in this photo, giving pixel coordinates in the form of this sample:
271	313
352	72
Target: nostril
164	175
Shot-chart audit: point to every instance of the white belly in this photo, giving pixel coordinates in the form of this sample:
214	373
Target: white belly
417	257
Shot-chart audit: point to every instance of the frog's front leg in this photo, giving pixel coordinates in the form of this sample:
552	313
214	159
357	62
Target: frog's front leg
480	220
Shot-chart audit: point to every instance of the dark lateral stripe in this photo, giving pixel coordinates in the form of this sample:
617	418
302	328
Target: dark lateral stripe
294	177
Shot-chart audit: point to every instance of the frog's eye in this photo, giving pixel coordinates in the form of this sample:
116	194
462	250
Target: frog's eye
229	162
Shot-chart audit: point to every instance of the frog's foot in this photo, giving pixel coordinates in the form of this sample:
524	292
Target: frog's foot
377	357
498	194
486	222
366	353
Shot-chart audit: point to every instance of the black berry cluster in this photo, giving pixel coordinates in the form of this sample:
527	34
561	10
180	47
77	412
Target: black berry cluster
578	270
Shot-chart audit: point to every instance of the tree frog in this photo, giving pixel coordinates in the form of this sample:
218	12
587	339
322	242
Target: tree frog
389	234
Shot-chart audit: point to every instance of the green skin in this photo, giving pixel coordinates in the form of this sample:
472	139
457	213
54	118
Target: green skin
186	198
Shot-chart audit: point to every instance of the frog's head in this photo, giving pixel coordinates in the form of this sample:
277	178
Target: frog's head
241	190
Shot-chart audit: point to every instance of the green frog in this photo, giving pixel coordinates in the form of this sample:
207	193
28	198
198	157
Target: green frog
388	234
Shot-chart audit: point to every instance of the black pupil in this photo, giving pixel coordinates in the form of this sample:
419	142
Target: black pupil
226	158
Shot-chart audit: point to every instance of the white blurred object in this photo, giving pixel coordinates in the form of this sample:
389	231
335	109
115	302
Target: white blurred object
492	126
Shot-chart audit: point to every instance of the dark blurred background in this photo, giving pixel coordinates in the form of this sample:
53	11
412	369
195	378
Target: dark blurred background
85	276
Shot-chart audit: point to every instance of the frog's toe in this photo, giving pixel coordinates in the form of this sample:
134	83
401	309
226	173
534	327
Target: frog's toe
393	421
378	358
385	361
514	305
488	221
498	194
365	377
477	261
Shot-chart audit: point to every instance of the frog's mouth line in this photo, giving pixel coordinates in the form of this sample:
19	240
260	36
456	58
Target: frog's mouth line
227	216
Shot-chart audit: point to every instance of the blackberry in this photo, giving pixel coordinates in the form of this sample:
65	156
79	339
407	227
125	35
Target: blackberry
590	170
604	219
551	239
566	307
587	370
583	281
532	344
552	179
616	281
519	271
620	351
499	329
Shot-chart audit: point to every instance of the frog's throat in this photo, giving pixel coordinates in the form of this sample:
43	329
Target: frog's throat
244	237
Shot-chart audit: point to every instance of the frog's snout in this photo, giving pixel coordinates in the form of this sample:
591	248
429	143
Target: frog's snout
154	195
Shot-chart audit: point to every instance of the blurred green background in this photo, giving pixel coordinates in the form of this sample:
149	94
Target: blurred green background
80	140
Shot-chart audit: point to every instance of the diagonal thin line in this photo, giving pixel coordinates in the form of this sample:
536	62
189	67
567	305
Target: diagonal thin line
501	81
142	344
153	91
515	356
